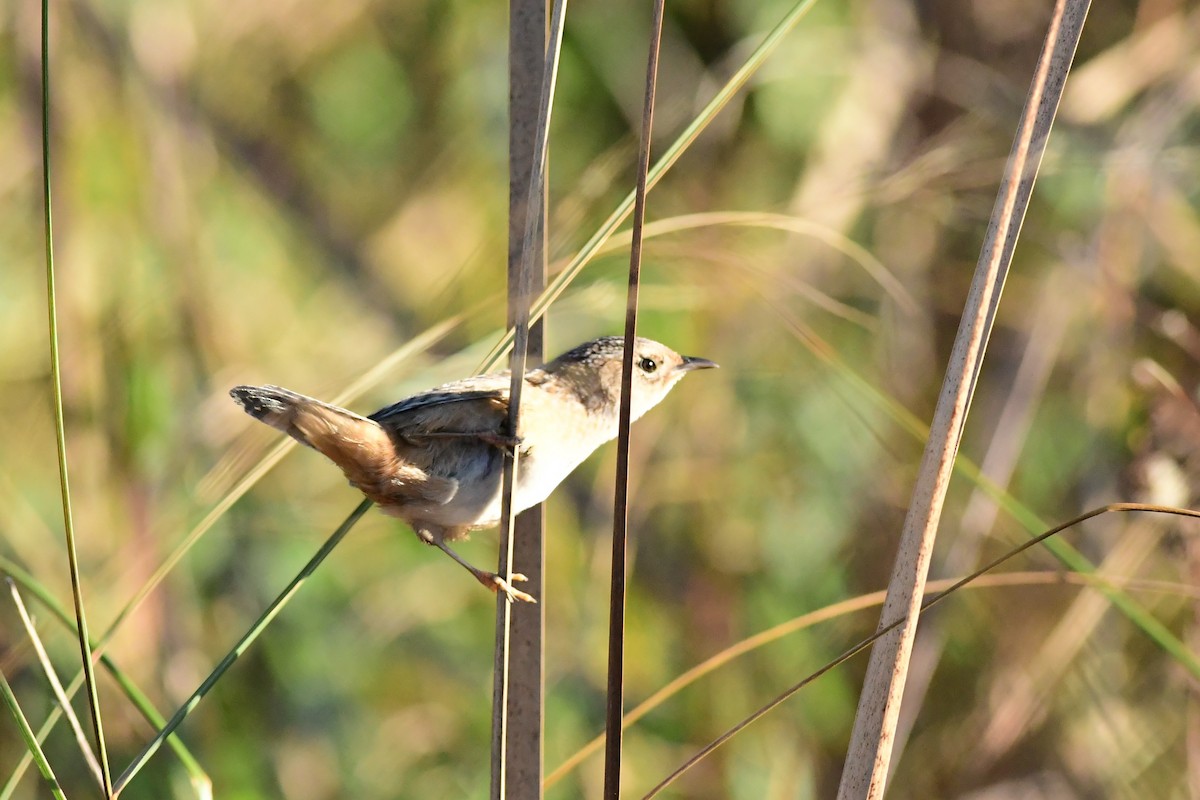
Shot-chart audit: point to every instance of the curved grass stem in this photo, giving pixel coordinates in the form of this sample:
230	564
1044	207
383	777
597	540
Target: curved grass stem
1109	590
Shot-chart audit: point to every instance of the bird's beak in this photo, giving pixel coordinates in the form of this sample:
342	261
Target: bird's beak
691	362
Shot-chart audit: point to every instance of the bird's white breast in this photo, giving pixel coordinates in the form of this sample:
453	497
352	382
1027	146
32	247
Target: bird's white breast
564	435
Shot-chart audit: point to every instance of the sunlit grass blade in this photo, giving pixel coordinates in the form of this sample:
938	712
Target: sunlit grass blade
781	222
517	685
64	703
1007	439
247	639
31	742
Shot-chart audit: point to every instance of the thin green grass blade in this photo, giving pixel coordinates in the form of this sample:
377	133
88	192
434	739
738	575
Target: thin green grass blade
89	673
247	639
200	779
31	741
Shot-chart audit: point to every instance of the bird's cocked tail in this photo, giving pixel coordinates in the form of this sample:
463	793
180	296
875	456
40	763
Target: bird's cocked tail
360	446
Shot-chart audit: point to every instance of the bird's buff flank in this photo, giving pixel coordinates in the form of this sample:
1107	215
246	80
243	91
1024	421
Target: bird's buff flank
435	460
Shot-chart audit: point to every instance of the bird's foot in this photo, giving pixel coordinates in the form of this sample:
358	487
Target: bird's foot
498	584
489	579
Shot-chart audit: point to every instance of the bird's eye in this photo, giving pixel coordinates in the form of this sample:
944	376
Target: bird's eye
647	365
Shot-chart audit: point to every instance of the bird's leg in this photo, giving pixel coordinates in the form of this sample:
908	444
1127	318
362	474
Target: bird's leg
489	579
498	440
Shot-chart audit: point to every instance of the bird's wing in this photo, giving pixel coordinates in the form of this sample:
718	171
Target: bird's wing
467	406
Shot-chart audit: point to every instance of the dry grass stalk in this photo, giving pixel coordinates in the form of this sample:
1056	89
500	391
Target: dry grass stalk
869	756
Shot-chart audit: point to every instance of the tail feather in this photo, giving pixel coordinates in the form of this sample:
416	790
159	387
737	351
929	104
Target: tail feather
273	405
360	446
356	444
293	413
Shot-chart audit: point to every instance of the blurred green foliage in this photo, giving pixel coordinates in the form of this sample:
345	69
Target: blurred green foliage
287	191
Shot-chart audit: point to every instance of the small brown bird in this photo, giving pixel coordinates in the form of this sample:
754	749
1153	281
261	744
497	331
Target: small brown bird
436	459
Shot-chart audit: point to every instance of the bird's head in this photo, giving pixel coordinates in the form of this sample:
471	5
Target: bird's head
593	370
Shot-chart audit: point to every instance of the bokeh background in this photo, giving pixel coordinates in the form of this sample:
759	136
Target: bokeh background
287	191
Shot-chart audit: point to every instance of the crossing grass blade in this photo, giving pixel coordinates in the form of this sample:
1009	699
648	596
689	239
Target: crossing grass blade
199	779
64	703
31	742
247	639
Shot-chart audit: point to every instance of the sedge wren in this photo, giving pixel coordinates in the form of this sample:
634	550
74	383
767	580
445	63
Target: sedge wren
435	460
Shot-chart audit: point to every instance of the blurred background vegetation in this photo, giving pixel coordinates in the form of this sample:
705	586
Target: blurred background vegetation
287	191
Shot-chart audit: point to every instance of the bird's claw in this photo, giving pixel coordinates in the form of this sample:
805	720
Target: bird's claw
498	584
